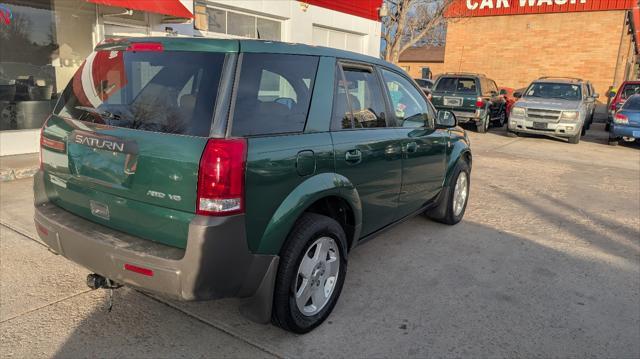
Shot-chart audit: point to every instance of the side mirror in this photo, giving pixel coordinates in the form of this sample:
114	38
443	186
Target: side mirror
517	94
446	119
493	93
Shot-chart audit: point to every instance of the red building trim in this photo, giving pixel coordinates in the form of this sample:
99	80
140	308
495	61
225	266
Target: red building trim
164	7
473	8
362	8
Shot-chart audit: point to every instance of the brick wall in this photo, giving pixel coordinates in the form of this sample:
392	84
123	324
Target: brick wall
415	68
514	50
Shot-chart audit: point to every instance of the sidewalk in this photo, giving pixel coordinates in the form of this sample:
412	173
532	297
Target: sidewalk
18	166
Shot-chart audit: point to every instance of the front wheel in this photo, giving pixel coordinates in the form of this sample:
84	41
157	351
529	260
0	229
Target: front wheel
311	273
575	139
456	198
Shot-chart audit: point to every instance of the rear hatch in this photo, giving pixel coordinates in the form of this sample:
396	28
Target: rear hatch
456	93
123	145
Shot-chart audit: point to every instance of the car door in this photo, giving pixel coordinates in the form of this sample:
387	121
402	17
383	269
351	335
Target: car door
367	150
497	102
423	146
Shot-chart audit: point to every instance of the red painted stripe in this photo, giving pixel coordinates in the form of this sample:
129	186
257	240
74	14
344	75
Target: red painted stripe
140	270
367	9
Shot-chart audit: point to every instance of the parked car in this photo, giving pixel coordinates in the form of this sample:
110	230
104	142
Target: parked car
202	169
626	122
473	98
426	85
591	111
555	107
626	90
510	100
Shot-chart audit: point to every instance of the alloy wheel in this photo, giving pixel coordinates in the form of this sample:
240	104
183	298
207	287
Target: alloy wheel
460	193
317	276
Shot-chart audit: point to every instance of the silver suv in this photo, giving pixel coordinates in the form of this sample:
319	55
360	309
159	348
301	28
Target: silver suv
555	107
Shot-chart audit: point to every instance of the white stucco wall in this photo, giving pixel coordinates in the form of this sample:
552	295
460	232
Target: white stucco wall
297	21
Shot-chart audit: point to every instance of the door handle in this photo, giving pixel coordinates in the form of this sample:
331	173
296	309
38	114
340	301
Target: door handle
353	156
411	147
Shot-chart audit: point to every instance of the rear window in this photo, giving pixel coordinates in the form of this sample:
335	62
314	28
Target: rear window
630	90
457	84
168	92
273	94
632	104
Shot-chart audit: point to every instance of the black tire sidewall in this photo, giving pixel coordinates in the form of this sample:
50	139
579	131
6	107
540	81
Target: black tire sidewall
307	230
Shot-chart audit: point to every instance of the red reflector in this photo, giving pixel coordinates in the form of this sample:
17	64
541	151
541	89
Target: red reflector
479	102
42	229
144	271
52	144
145	46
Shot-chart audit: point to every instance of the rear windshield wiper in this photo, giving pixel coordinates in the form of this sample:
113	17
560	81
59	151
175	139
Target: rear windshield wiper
104	115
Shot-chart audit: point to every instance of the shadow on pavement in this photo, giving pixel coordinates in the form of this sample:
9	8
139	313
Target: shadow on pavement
419	290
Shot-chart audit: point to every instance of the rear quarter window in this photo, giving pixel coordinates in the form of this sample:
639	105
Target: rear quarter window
273	94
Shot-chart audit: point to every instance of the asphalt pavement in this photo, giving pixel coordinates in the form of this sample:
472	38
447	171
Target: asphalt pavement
546	264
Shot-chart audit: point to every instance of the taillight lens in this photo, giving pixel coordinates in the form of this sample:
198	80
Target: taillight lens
221	177
621	119
479	102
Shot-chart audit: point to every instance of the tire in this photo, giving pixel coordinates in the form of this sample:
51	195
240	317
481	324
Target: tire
447	212
483	126
310	233
512	134
584	130
502	120
575	139
607	127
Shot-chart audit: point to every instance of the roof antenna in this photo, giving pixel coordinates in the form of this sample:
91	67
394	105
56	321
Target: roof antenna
258	31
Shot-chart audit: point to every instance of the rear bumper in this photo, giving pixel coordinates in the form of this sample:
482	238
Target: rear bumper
618	131
468	116
215	264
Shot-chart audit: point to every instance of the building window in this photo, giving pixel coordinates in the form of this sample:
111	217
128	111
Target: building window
342	40
221	21
40	49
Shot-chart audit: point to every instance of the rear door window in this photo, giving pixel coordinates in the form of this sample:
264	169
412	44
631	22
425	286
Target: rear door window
273	94
364	96
168	92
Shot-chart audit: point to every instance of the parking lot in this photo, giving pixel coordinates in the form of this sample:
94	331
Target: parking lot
546	263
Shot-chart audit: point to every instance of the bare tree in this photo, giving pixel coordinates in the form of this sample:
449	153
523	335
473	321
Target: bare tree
410	22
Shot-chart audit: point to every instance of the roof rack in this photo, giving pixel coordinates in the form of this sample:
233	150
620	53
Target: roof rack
465	73
561	77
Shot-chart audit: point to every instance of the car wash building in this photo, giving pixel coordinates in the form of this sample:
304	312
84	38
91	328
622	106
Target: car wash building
43	42
517	41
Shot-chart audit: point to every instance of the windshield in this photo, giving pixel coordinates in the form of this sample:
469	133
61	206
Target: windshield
630	90
632	104
168	92
456	84
551	90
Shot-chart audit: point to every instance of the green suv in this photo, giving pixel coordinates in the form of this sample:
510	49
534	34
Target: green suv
201	169
473	98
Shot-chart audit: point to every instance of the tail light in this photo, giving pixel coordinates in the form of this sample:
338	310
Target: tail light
479	102
221	177
146	46
621	119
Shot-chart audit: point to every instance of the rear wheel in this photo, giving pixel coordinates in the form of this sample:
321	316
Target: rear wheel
456	198
311	273
483	125
502	119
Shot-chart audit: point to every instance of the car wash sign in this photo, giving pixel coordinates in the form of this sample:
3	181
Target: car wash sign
470	8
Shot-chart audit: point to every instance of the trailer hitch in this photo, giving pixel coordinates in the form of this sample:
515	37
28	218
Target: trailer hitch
96	281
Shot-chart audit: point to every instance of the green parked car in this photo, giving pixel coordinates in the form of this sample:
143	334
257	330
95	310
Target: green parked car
473	98
201	169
